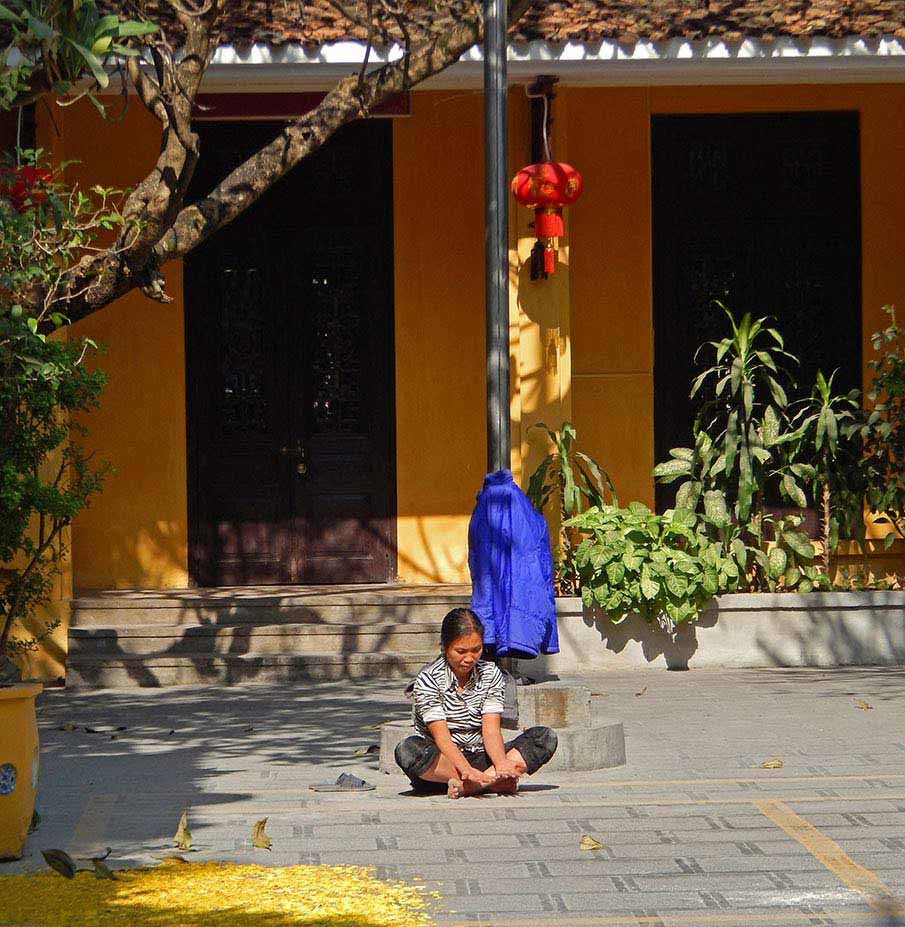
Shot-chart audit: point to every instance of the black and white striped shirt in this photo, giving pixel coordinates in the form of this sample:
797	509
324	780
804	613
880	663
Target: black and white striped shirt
437	698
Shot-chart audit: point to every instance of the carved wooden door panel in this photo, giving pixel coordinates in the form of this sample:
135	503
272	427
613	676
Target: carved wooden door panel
289	373
761	212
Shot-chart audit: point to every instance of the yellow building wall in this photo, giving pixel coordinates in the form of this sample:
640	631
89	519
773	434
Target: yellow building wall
134	534
608	131
581	342
440	384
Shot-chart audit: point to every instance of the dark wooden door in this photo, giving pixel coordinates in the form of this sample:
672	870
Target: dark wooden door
289	370
761	212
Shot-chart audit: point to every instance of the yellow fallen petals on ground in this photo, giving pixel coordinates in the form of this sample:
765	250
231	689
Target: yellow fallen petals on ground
213	895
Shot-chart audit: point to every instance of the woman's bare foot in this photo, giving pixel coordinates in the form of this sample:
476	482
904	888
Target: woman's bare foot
454	788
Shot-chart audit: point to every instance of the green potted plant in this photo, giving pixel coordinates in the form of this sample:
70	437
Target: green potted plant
46	477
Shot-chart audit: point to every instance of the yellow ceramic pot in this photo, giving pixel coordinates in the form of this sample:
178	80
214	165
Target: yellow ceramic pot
18	765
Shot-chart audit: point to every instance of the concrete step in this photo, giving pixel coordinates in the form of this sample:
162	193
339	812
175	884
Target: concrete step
234	669
268	605
125	640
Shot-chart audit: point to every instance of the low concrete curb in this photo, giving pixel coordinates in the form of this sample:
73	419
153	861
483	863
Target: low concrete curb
738	631
585	742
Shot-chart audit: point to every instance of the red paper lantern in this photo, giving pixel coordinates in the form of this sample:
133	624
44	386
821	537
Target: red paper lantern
546	188
24	187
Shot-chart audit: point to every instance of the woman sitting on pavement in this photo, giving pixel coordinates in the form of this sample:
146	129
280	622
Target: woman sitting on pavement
458	707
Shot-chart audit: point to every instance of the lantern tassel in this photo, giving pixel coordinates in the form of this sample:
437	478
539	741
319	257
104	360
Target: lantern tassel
549	259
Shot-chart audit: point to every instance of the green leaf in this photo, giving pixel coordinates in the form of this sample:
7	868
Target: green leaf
740	552
671	470
682	453
106	23
766	358
131	28
731	442
683	518
777	560
537	482
794	491
688	495
715	505
649	589
615	573
770	426
102	45
94	65
9	14
778	393
799	543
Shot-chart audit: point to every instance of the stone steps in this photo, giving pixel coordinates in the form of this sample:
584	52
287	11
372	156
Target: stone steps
268	605
225	636
236	669
223	640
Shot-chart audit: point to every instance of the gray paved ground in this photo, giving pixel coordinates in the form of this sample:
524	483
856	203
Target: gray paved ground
693	830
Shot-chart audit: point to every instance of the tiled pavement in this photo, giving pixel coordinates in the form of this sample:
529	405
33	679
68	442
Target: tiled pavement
694	832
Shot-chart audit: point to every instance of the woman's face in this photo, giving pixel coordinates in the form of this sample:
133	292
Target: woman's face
464	652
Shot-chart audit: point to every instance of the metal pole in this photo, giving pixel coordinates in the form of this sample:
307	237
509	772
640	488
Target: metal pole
496	235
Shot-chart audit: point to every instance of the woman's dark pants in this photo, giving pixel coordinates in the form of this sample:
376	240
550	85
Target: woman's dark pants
416	754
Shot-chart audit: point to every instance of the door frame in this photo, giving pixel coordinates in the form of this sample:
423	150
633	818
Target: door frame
388	524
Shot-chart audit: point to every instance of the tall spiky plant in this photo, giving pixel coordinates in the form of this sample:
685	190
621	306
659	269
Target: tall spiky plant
571	481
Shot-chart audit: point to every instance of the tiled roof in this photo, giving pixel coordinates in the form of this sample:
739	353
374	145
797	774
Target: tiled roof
313	22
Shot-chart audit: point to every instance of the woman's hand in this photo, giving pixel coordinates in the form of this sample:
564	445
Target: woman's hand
506	769
470	774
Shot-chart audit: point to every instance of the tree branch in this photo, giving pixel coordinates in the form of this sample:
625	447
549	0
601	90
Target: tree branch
164	230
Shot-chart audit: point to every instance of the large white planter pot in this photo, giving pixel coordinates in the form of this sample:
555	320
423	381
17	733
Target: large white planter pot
743	630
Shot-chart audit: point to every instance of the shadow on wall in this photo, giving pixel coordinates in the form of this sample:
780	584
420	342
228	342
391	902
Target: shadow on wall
257	634
749	630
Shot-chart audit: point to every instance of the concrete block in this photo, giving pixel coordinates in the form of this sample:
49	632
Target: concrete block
600	745
391	734
553	704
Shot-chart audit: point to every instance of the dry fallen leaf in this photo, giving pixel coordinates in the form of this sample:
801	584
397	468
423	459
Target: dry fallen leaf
60	862
367	751
35	821
259	838
589	843
600	693
183	836
101	870
248	728
642	691
68	726
771	764
863	705
175	858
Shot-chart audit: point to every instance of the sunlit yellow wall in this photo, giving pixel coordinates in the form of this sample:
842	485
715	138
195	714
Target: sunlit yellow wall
581	342
134	533
608	133
439	268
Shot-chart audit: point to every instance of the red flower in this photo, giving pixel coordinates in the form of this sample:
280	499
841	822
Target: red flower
24	187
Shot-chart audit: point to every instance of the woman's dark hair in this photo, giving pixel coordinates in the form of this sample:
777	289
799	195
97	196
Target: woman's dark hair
458	622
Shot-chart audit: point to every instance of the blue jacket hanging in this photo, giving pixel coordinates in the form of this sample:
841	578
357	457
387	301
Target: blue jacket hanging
511	570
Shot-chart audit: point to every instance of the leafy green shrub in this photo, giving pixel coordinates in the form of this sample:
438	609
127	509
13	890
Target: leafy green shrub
825	452
46	477
662	567
738	433
883	464
59	42
568	480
